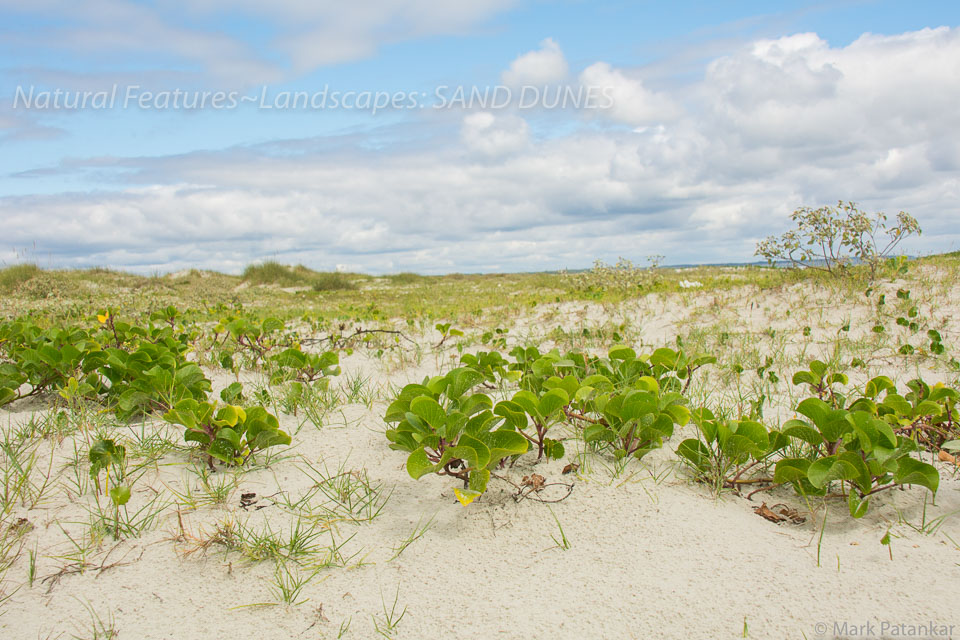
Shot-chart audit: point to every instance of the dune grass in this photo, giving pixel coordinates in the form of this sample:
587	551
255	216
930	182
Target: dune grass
272	272
13	276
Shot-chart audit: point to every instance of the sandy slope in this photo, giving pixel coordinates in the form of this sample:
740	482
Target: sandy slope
651	554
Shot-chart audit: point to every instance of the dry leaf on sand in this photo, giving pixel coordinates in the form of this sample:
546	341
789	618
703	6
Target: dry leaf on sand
535	481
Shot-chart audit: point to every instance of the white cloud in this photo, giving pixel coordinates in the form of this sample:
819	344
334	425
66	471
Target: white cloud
631	102
493	135
545	66
706	173
309	34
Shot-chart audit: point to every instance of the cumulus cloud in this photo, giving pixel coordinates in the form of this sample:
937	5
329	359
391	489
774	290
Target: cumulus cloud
629	101
697	176
544	66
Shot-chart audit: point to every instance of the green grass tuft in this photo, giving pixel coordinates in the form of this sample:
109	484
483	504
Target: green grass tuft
13	276
332	281
407	277
272	272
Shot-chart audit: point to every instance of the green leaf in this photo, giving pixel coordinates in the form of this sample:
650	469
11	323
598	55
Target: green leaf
505	443
802	431
825	470
552	402
475	403
678	413
481	454
912	471
478	479
528	402
418	464
696	453
104	453
791	470
513	412
858	507
120	495
461	380
598	382
231	415
863	478
222	450
805	377
815	409
622	352
665	357
878	385
553	448
196	436
430	411
272	324
755	432
231	436
269	438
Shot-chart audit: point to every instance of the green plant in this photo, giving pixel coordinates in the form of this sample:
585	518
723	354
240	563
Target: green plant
152	379
14	275
543	411
855	447
105	455
38	359
461	438
213	489
562	542
111	458
727	451
332	281
830	238
446	331
272	272
626	403
492	366
634	422
288	584
17	471
419	530
822	380
302	542
251	337
100	629
302	367
32	566
622	278
390	618
230	434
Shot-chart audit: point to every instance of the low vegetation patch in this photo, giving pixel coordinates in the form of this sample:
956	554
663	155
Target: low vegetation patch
13	276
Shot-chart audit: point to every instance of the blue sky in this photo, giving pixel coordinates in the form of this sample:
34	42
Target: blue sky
717	120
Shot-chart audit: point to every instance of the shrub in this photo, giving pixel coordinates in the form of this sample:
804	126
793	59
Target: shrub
624	277
830	239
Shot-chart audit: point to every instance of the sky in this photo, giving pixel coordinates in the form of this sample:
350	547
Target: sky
487	136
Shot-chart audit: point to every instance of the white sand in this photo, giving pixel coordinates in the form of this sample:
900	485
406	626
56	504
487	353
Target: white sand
651	554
